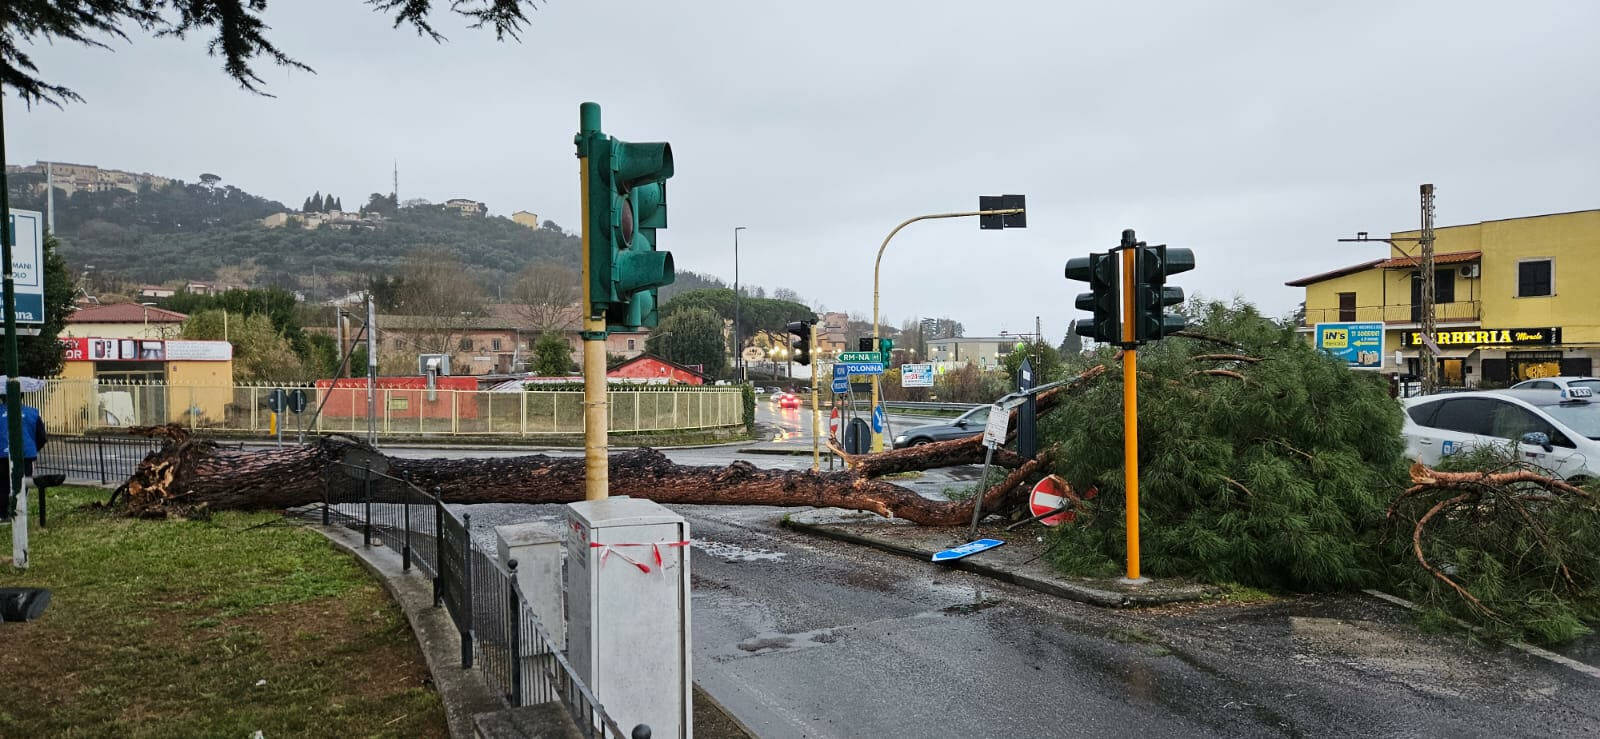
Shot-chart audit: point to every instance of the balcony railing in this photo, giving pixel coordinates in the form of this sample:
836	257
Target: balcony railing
1461	310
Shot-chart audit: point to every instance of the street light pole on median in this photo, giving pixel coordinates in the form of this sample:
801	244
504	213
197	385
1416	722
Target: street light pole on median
738	359
877	270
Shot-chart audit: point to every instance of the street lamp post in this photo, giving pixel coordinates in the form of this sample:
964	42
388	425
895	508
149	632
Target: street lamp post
738	360
877	270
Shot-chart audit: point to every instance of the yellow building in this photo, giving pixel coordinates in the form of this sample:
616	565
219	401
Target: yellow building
531	220
1515	299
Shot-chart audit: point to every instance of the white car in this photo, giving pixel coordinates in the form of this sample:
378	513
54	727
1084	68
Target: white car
1559	383
1558	430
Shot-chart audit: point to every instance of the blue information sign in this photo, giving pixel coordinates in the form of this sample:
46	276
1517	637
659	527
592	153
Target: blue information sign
864	368
971	547
1360	345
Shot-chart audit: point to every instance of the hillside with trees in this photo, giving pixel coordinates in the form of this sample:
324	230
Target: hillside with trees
209	231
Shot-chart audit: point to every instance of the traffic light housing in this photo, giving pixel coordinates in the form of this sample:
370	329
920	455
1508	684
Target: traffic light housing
1104	298
626	202
1152	295
801	347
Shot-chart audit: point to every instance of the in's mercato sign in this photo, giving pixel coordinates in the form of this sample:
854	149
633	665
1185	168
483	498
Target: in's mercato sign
1488	337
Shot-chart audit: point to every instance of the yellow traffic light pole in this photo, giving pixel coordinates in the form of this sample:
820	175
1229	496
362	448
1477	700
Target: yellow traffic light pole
816	413
877	270
1130	413
596	458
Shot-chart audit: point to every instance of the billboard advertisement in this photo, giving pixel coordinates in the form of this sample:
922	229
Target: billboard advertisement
1360	345
916	375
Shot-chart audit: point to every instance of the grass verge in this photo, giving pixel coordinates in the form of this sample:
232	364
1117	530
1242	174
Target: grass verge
205	628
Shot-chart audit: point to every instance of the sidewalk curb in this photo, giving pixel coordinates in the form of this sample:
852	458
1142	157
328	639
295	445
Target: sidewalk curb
464	693
1070	591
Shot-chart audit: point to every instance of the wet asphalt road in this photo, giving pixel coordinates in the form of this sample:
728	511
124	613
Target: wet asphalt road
802	637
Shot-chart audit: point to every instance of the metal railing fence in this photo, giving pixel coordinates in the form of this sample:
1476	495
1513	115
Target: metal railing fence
500	635
79	406
94	457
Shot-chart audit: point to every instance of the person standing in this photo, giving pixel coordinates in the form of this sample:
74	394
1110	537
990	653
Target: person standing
33	440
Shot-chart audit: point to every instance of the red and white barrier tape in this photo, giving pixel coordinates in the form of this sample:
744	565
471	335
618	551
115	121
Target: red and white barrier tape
607	550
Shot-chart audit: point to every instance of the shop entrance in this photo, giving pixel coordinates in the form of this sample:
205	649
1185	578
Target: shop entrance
1533	365
1453	372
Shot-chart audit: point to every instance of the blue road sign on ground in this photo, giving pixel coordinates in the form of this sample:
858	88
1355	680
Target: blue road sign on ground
971	547
877	419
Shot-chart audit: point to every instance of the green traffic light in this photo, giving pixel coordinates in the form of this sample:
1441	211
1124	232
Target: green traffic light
626	199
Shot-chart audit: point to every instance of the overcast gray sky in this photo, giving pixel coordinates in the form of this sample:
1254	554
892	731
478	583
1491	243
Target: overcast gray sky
1253	132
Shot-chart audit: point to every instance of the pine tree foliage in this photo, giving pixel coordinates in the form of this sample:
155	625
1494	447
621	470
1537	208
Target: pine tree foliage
1276	480
1525	553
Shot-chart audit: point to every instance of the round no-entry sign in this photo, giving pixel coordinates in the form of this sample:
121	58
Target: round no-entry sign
833	423
1047	496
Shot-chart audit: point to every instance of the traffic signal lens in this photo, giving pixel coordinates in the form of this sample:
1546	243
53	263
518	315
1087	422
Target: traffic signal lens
627	221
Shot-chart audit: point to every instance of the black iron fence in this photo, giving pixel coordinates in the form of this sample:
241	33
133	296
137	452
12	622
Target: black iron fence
99	458
500	635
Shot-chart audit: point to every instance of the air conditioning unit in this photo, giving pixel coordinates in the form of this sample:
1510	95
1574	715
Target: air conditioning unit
1469	270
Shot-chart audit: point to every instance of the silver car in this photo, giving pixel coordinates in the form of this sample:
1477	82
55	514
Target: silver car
1559	383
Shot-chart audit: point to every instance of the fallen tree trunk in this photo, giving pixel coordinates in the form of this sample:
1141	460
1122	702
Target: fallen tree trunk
193	477
197	477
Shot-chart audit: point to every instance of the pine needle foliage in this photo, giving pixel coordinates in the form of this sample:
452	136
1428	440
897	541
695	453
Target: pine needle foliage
1278	480
1531	564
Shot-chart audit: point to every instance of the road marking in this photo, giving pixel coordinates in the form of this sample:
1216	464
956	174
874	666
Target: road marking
1524	647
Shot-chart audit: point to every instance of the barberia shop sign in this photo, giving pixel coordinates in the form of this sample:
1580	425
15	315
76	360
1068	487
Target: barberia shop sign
1488	337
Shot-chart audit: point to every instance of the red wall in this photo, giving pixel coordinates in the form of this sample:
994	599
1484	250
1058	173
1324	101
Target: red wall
344	403
653	368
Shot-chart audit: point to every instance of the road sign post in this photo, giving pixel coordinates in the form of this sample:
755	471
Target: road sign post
841	378
994	435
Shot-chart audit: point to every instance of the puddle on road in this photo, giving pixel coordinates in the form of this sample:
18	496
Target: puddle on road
735	553
963	609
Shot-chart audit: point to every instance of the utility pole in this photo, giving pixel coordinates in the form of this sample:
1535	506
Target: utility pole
738	358
1425	307
50	196
1430	363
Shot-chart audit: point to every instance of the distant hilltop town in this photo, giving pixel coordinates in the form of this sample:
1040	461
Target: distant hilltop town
70	178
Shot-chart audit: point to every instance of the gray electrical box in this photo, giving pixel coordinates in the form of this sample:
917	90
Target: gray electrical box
628	611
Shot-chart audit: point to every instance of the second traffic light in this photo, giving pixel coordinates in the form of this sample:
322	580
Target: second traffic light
1152	295
1104	298
801	346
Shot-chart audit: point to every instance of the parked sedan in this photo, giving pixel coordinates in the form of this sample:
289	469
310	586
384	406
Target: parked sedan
966	424
1558	430
1559	383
